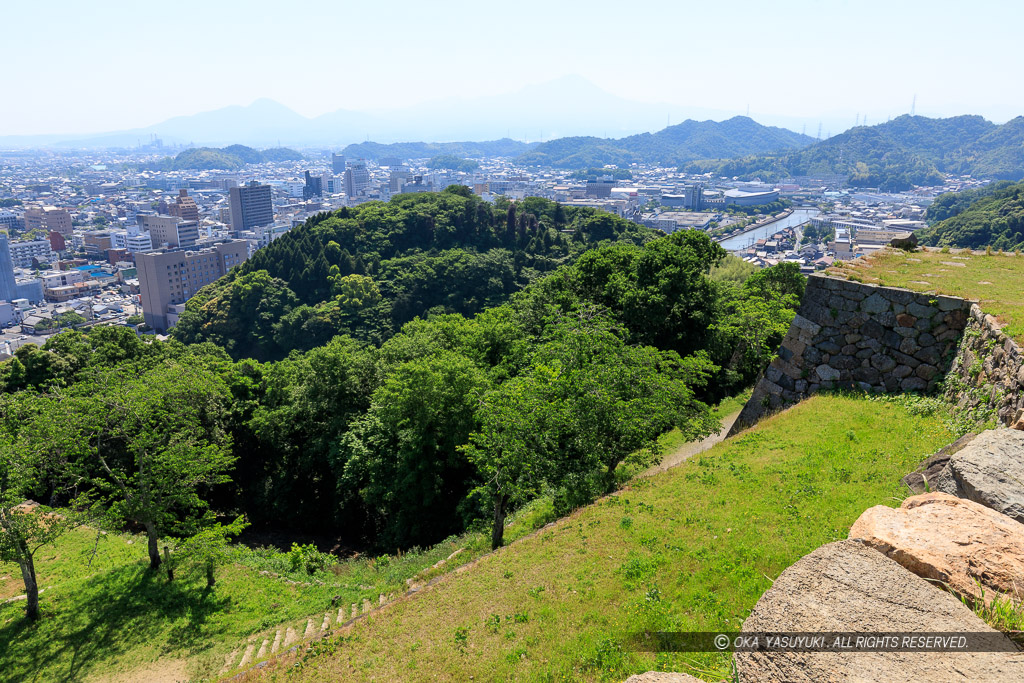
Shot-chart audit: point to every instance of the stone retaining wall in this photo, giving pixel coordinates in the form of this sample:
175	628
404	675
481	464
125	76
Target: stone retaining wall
989	368
848	334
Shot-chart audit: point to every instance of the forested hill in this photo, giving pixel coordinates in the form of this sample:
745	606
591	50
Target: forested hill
452	422
893	156
671	146
428	150
229	158
366	271
992	216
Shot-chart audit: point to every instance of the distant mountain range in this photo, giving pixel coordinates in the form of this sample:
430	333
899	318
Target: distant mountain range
587	127
893	156
562	107
671	146
426	150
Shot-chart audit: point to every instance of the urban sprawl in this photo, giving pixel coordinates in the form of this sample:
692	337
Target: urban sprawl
83	241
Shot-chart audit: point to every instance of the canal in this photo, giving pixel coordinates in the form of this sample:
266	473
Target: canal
798	217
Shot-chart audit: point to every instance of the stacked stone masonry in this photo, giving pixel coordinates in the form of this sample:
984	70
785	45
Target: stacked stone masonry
990	368
849	335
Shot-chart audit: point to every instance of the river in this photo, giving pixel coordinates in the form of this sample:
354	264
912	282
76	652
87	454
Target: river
798	217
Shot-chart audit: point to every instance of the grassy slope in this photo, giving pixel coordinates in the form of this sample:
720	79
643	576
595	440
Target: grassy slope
116	616
692	549
996	281
104	613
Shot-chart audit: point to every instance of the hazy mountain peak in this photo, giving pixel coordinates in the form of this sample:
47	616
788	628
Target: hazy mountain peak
568	105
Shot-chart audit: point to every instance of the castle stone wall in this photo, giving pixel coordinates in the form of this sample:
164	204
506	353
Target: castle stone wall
988	368
853	335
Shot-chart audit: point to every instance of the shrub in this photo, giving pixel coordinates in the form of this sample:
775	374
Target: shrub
308	558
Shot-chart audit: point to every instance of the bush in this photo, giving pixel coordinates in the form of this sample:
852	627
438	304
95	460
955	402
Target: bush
310	559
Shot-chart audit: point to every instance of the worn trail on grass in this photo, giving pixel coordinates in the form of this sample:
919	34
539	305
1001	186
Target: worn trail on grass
691	448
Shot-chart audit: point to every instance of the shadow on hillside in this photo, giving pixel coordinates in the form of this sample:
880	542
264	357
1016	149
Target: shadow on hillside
282	540
108	615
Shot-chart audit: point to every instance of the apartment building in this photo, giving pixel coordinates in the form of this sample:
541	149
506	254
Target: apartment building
11	288
22	253
170	278
170	231
96	243
184	207
357	178
313	187
8	220
48	218
131	241
251	206
8	285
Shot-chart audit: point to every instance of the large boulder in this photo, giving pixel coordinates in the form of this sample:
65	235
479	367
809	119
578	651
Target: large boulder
973	550
923	478
990	471
908	243
847	586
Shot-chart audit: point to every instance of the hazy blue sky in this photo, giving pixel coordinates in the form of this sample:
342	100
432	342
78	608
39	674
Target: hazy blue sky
74	66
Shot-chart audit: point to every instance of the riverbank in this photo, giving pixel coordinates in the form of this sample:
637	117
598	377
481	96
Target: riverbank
782	215
790	218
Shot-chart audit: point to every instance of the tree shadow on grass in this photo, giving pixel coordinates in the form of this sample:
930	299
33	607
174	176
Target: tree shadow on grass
108	615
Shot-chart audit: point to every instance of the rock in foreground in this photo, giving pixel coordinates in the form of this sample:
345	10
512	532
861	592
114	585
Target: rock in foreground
990	471
662	677
847	586
922	479
951	540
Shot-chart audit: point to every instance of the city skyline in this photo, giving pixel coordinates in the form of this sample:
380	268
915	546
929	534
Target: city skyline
797	59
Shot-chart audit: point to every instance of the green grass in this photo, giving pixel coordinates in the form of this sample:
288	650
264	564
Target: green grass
114	615
1002	612
996	281
731	405
673	440
688	550
104	612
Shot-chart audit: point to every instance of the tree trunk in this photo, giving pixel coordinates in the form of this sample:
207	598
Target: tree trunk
167	561
210	578
25	562
28	573
610	477
154	552
737	356
498	531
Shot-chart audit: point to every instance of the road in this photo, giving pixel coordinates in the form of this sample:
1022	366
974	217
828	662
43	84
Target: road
12	338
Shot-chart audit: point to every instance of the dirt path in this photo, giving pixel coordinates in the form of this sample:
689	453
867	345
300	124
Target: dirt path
692	448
